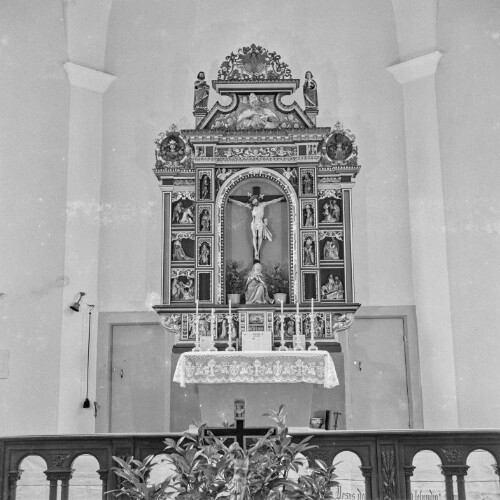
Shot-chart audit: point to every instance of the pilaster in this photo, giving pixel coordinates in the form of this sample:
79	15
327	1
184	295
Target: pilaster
428	240
81	243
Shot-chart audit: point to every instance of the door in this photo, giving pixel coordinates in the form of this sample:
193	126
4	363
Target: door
140	379
378	374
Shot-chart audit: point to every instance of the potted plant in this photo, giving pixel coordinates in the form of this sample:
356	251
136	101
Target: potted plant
234	283
278	283
205	468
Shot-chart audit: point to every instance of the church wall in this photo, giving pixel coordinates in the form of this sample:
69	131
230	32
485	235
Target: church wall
469	108
156	50
34	96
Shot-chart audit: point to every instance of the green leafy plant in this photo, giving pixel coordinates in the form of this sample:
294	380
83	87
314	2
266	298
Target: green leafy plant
277	279
234	280
204	468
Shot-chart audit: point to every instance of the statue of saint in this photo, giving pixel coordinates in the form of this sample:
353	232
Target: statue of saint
256	288
204	259
307	183
205	187
258	225
205	220
308	216
310	89
309	258
256	116
201	90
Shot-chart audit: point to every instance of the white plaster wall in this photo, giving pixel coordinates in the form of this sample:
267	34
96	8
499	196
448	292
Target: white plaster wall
468	96
34	105
156	49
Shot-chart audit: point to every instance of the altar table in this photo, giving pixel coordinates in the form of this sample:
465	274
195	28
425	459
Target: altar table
263	379
283	367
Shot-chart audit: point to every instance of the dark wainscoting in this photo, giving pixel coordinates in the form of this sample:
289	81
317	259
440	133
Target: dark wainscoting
386	457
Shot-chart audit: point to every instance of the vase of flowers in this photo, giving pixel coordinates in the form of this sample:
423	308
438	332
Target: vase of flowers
235	283
277	280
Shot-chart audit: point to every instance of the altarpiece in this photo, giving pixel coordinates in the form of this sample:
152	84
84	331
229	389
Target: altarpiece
256	189
256	201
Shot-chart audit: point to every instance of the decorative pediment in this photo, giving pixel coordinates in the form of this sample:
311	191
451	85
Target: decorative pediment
173	150
254	63
257	112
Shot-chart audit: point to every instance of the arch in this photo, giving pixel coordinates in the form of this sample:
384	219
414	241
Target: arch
427	474
482	480
220	203
33	481
351	482
86	477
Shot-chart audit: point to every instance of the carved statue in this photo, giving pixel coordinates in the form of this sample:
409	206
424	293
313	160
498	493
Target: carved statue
201	90
308	216
332	289
331	250
204	259
310	89
309	258
307	183
256	116
205	220
256	289
178	254
205	187
187	216
259	224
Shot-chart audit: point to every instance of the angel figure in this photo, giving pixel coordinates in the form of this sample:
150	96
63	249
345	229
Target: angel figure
258	225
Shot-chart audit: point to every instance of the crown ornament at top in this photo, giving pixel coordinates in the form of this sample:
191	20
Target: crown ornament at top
254	63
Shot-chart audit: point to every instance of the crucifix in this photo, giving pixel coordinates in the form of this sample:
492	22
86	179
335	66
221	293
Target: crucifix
257	202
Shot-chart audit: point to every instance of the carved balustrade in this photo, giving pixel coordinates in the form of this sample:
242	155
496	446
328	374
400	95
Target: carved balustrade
386	457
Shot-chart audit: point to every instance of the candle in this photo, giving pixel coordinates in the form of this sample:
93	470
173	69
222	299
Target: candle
281	307
312	306
212	330
297	308
196	302
229	306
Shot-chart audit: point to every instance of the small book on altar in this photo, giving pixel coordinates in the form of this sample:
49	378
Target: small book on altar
299	339
257	341
205	342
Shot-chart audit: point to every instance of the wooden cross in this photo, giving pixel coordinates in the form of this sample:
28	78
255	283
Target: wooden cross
256	191
239	432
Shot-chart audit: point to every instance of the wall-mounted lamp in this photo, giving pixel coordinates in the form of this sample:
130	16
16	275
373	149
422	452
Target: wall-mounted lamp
76	305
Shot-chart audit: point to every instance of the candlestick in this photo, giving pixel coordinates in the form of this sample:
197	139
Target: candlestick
213	326
197	330
312	346
230	332
282	346
298	321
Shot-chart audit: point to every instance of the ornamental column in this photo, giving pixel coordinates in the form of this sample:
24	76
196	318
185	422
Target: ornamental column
82	244
428	240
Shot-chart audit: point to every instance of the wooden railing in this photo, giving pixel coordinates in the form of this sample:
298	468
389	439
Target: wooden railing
386	457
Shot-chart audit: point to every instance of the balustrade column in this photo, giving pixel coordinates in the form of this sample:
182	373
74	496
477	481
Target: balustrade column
103	476
461	482
14	477
52	488
408	473
367	474
448	482
65	477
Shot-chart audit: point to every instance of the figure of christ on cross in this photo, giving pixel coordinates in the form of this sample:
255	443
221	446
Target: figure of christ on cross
257	203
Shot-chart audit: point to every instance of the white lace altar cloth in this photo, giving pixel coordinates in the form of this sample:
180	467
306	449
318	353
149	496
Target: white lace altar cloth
274	367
